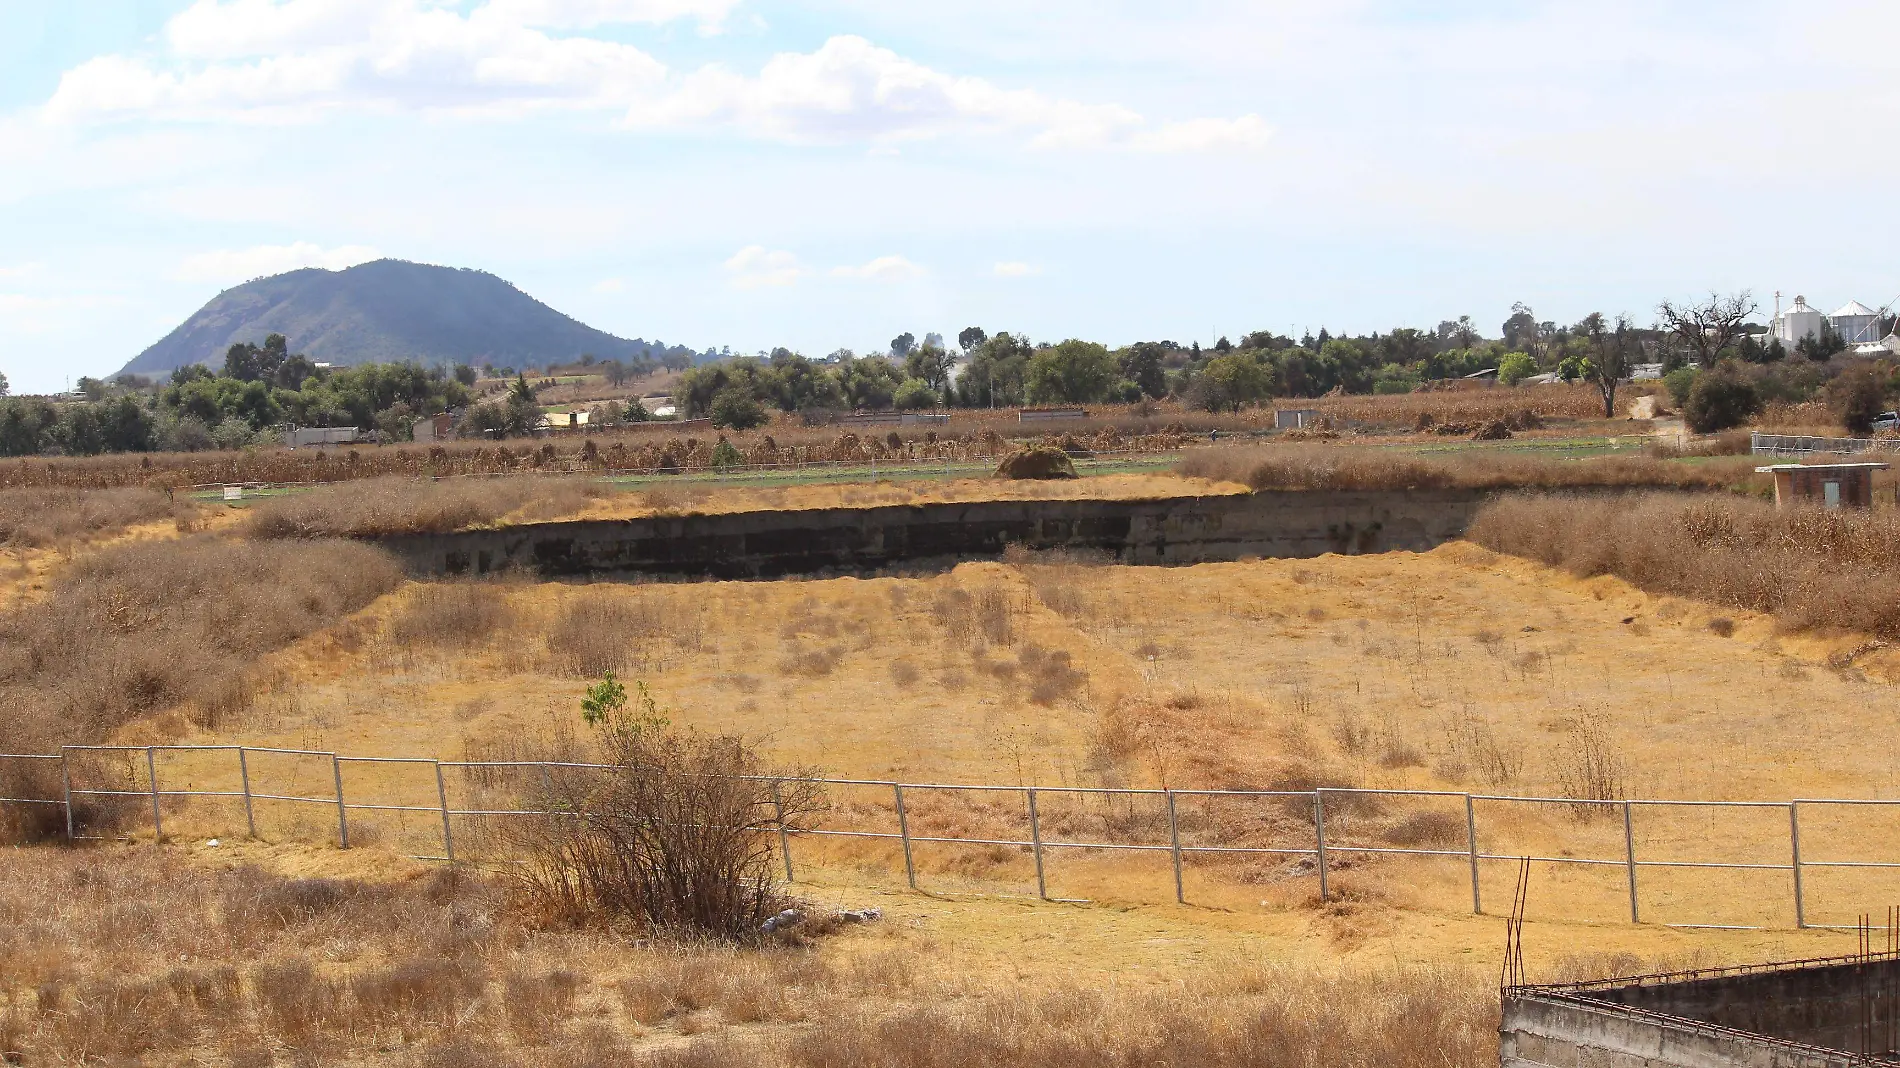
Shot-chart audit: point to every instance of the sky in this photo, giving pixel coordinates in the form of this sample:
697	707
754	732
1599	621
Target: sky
752	173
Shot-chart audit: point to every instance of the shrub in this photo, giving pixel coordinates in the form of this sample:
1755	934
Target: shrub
677	832
1719	400
1679	382
1857	398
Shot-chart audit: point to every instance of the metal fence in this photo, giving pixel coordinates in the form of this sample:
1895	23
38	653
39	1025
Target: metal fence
1324	816
1803	445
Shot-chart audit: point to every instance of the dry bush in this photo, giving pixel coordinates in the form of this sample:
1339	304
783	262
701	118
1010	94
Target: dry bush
1050	673
1319	467
677	832
30	518
379	506
984	614
606	628
1810	568
146	627
1591	767
449	615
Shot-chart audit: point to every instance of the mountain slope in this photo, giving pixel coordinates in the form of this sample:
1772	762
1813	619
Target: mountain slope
384	312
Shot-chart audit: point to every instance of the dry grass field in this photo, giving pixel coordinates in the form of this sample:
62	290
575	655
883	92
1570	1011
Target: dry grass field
1460	669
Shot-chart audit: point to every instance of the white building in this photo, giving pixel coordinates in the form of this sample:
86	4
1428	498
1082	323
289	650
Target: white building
1856	323
1798	322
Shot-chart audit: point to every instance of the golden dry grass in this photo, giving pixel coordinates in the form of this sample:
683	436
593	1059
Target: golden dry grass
1811	568
1316	467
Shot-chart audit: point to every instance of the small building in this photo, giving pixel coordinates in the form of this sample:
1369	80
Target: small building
1829	485
1832	1013
434	428
1294	418
306	436
1046	415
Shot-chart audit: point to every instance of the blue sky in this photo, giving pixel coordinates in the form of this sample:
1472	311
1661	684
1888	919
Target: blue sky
728	172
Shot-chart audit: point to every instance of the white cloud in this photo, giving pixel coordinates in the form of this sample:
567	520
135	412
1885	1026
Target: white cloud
609	285
241	265
853	90
290	61
21	270
1014	269
276	61
755	266
882	269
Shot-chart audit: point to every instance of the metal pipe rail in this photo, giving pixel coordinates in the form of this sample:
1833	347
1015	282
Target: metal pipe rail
1326	842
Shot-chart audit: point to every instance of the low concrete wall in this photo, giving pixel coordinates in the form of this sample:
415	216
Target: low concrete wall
1181	530
1840	1006
1546	1031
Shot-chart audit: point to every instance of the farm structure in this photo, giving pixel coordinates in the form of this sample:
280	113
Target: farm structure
1830	485
1814	1014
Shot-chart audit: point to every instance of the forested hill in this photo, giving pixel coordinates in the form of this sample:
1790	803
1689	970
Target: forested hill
388	311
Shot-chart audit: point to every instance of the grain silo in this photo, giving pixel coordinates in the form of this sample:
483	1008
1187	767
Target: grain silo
1798	322
1856	323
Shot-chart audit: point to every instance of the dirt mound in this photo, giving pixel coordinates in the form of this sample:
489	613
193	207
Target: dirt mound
1039	462
1495	430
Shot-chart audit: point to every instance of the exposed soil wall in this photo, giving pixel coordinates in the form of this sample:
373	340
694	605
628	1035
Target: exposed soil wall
1182	530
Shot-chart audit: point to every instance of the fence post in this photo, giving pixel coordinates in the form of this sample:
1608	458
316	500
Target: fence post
784	840
244	776
903	831
1174	840
1471	843
442	795
151	777
66	791
1319	836
1629	859
1035	843
1794	850
342	815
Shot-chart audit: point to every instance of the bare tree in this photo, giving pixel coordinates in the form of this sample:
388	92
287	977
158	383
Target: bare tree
1613	352
1707	327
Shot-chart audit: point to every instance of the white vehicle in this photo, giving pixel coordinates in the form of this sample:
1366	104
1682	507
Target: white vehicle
1887	421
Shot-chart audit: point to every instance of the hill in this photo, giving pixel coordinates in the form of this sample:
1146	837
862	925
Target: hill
388	311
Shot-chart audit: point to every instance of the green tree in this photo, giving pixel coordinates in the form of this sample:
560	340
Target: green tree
1144	364
970	337
929	364
1241	378
522	411
735	408
1515	368
725	454
466	375
1073	372
1613	353
4	387
1720	399
902	344
914	394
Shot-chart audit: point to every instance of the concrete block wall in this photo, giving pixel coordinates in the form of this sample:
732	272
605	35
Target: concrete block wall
1553	1031
768	544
